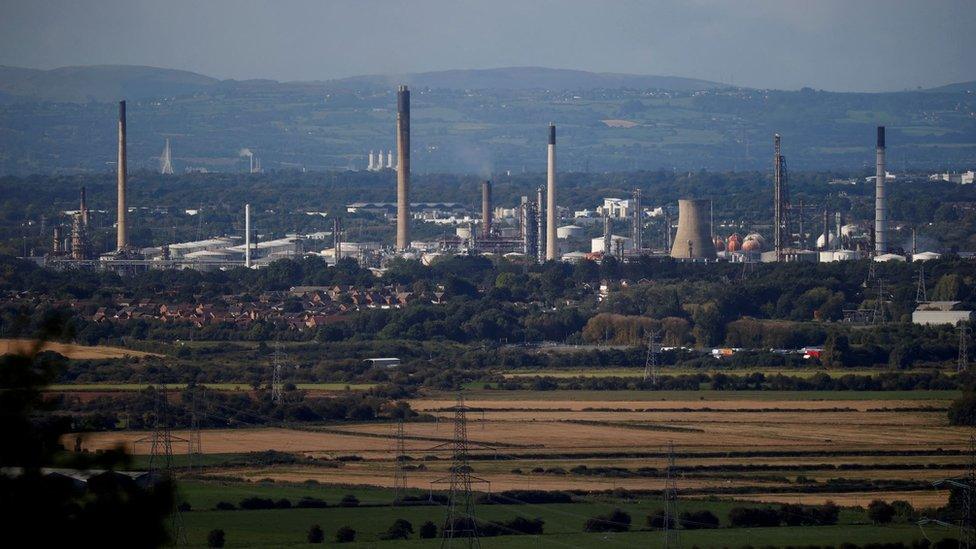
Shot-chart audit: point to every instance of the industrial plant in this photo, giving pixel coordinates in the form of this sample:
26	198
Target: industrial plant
535	229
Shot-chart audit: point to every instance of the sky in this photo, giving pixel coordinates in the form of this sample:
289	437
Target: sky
839	45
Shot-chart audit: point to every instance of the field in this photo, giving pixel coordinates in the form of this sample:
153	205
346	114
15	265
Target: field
69	350
732	448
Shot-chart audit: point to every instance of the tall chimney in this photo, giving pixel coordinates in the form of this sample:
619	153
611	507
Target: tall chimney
122	237
403	169
540	215
880	198
83	208
486	219
607	234
247	235
551	243
777	198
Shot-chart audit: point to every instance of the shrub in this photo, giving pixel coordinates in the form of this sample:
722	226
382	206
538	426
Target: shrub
754	517
880	512
311	503
655	519
400	529
523	525
697	520
254	503
225	506
345	534
428	530
282	504
617	521
315	534
216	538
349	500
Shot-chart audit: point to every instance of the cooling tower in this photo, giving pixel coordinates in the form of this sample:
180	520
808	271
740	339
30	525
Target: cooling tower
693	240
122	234
403	169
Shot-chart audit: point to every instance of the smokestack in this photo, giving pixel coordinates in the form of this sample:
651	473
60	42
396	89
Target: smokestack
637	229
540	216
337	238
83	208
486	219
122	236
57	241
247	235
777	198
607	234
551	243
880	198
692	241
403	169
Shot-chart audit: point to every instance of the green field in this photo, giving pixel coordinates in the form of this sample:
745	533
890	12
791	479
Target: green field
639	372
123	387
476	393
563	522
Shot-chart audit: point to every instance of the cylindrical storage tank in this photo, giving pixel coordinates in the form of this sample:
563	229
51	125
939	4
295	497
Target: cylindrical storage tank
822	242
734	243
570	231
693	239
463	232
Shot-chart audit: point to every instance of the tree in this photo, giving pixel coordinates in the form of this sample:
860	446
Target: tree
345	534
836	350
315	534
349	500
216	538
617	521
400	529
428	530
111	510
695	520
962	411
880	512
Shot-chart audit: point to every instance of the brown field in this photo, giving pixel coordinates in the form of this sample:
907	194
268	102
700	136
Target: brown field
69	350
523	434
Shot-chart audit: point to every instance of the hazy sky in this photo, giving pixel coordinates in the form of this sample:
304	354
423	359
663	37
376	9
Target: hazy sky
863	45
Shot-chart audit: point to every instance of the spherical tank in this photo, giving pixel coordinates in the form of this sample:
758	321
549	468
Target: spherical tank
719	243
734	243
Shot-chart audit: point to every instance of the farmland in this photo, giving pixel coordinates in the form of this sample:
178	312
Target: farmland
733	448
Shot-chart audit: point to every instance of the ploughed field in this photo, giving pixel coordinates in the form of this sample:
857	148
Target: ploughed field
849	447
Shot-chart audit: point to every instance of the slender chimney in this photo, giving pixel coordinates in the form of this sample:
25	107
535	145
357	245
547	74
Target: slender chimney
880	198
247	235
403	169
551	243
607	234
486	219
540	215
777	198
122	236
83	207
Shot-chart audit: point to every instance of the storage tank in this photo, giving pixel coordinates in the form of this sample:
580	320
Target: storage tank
753	242
734	243
570	231
693	239
719	243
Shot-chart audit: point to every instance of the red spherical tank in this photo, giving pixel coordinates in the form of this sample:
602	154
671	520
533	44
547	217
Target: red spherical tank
734	243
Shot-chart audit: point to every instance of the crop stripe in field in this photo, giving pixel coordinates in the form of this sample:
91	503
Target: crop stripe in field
638	426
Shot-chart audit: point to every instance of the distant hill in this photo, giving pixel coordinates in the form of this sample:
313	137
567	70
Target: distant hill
958	87
100	83
104	83
528	78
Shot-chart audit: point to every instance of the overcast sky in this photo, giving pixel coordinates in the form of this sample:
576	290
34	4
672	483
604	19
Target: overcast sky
864	45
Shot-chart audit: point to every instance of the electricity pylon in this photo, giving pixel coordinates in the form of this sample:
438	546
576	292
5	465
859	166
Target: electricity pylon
161	454
671	539
460	521
921	295
276	388
963	361
399	465
653	352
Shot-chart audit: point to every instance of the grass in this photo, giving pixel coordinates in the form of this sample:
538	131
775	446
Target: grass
639	372
563	522
476	393
124	387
